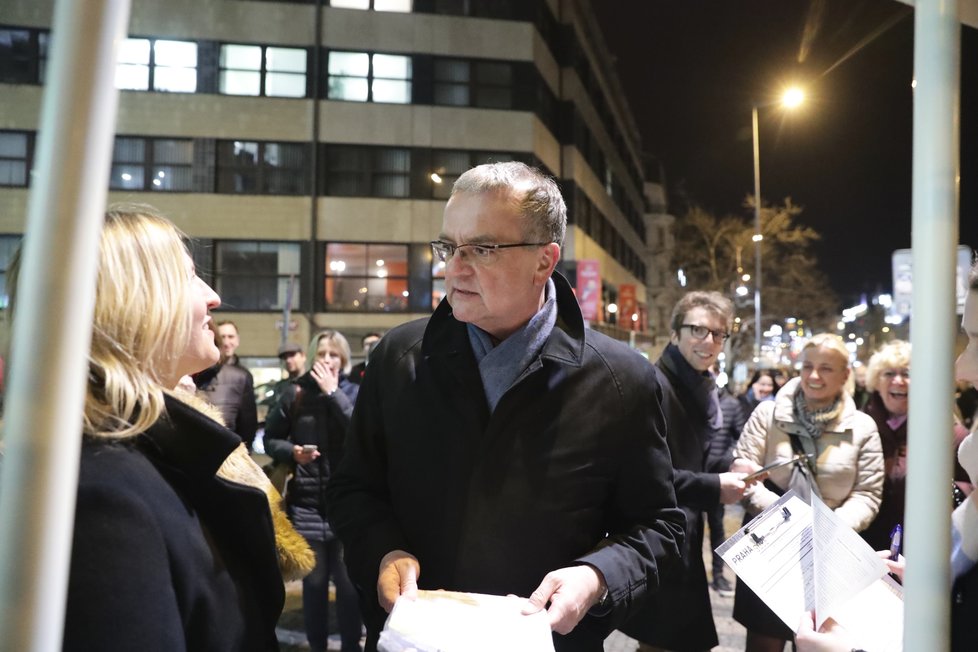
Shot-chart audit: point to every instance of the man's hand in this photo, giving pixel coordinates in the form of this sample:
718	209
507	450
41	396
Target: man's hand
399	572
894	566
731	487
831	636
741	465
571	592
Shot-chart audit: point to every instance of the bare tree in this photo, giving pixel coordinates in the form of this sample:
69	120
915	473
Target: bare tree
714	252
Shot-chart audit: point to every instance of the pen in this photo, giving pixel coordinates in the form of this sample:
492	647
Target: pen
896	540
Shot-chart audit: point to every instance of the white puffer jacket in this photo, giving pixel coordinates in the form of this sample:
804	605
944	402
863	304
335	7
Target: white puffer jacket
849	463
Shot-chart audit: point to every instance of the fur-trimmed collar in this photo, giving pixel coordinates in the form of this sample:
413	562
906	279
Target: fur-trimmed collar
295	558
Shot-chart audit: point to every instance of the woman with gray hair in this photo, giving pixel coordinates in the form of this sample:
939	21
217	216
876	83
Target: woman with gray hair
307	430
888	381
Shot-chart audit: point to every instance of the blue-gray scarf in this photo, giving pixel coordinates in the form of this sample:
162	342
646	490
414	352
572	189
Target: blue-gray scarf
501	365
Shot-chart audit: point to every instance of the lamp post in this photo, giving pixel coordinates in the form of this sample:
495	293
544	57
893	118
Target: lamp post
791	98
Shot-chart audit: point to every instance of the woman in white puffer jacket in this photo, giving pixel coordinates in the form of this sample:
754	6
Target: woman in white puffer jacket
816	416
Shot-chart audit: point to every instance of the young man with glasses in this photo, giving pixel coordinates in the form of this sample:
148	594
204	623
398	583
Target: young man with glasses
502	447
679	616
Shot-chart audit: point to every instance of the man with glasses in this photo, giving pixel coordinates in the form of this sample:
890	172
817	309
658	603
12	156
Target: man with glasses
502	448
679	616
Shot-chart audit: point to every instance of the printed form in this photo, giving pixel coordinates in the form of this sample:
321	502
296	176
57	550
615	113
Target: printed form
799	557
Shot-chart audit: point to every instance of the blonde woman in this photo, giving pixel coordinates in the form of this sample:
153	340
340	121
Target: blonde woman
307	429
813	414
173	549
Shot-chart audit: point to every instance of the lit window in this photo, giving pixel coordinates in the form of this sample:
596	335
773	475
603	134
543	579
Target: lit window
157	64
366	277
362	77
262	70
377	5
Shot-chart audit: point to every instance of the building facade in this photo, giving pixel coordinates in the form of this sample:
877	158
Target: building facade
308	147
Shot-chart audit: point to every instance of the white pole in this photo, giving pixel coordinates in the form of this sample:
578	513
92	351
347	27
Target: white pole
934	238
51	334
757	239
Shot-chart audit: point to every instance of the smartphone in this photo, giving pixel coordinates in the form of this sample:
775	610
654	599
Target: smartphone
309	448
772	466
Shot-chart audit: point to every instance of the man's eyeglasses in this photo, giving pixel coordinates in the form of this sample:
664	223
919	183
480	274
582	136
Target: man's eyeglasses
479	254
700	332
890	374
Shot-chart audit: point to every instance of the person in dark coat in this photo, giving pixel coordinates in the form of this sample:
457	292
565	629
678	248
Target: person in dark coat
679	616
368	341
171	550
231	390
720	446
314	411
763	386
500	447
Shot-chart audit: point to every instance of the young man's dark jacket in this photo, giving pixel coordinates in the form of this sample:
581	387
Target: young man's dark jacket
679	616
571	467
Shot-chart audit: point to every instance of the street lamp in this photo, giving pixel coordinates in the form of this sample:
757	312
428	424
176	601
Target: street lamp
791	99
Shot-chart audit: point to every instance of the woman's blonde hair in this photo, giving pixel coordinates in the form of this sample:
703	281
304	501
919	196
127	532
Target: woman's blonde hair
836	344
141	323
892	355
335	338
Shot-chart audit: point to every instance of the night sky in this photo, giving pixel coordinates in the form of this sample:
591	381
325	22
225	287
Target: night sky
691	70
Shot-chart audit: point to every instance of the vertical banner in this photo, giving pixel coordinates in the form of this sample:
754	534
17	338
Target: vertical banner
589	288
627	306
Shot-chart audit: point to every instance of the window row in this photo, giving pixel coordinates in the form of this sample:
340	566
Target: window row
350	276
166	65
267	168
586	215
246	167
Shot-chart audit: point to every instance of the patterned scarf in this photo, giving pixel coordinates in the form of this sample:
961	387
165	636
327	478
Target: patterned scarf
815	421
503	364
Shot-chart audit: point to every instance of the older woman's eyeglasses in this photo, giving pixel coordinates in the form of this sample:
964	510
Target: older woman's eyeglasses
890	374
700	332
479	254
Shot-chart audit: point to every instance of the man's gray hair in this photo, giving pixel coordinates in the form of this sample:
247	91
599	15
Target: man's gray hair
537	196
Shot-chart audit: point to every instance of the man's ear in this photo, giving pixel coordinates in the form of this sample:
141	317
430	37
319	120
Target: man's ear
547	261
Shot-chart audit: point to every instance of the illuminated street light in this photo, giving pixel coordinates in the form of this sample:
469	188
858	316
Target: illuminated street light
791	99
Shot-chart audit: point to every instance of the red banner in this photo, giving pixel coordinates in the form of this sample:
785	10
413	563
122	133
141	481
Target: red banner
589	288
627	306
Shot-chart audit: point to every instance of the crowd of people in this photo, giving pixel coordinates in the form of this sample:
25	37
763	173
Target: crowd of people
499	446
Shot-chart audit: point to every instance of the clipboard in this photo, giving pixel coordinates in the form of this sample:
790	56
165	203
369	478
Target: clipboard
774	465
